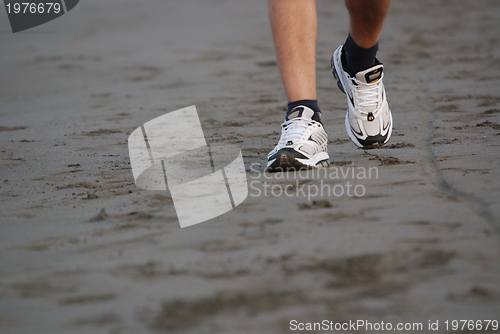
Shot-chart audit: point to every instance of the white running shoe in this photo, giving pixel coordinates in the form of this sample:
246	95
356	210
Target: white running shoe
303	143
368	120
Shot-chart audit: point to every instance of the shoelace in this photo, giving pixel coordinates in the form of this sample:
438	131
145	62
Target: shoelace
367	94
295	128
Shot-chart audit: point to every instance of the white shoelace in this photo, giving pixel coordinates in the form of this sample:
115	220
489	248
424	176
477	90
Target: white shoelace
367	94
294	129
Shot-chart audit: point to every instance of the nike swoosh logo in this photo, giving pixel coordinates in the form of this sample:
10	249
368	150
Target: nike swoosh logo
385	128
356	132
352	100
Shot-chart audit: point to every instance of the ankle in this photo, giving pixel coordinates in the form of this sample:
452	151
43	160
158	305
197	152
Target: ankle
358	58
311	104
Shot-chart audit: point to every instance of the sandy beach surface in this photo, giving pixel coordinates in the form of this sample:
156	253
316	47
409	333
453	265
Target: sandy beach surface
83	250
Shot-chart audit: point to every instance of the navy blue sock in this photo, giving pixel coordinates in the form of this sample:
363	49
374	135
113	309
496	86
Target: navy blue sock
358	58
312	104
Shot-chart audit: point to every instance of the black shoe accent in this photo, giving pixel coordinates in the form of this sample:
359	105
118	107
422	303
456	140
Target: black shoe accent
385	127
343	61
311	139
323	163
373	141
295	112
286	160
336	77
356	132
374	75
298	110
351	99
272	157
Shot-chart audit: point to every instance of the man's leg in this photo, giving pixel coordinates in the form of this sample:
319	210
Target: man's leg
367	18
359	74
303	141
366	21
294	24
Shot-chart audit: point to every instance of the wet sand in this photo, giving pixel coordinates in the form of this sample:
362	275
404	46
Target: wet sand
85	251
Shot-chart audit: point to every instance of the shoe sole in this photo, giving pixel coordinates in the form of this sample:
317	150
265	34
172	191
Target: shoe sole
286	161
351	135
